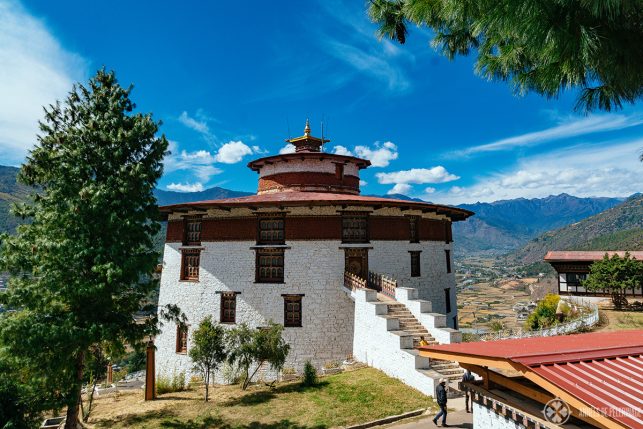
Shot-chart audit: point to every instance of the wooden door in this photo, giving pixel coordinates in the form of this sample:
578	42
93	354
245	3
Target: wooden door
356	262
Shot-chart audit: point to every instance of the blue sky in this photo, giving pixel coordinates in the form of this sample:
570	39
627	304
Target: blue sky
232	80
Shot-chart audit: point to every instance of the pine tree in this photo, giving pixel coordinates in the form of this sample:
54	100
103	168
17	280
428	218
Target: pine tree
81	266
540	46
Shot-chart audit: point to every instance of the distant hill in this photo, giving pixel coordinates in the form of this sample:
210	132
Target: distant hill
10	192
170	197
617	228
505	225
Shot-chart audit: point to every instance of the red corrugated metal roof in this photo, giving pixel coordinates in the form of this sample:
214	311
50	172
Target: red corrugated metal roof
318	198
569	256
602	369
612	386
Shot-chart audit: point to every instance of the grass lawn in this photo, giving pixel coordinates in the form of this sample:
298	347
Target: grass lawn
339	400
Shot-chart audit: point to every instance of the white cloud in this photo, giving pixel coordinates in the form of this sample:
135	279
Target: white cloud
258	150
437	174
400	188
429	190
287	149
232	152
569	128
341	150
35	70
363	183
192	123
608	169
380	155
185	187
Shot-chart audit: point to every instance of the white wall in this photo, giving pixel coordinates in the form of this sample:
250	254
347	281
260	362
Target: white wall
486	418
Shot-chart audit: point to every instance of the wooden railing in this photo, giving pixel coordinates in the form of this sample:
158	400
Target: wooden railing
353	281
382	284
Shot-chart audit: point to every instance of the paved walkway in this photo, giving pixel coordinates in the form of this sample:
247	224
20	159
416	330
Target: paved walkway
457	418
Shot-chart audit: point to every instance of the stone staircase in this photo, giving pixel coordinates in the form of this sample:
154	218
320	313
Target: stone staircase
409	325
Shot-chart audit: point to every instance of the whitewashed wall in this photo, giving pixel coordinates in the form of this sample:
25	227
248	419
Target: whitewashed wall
486	418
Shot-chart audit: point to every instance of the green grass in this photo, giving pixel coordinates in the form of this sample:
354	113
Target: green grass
338	400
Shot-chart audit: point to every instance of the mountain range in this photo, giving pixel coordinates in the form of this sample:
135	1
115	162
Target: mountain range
497	228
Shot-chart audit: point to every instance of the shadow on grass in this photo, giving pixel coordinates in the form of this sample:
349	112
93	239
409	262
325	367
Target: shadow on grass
217	422
130	420
256	398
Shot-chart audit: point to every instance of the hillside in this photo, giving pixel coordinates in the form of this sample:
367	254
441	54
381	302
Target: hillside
505	225
618	228
169	197
10	192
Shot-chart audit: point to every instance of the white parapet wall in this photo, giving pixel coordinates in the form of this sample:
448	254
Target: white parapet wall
378	342
435	323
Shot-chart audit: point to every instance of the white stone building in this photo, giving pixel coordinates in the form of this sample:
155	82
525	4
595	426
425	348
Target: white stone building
281	255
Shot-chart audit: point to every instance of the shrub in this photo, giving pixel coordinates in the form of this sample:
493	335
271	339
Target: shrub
231	373
310	374
544	315
331	364
289	370
166	384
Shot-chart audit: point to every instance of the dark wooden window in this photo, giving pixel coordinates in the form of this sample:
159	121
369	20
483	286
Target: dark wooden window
447	254
181	339
192	231
270	266
414	229
228	307
190	260
292	310
415	264
339	171
355	228
447	299
271	229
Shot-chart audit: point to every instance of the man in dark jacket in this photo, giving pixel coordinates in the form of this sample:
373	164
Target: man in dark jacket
441	399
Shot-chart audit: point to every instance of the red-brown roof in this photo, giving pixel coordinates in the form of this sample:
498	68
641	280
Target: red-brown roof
584	256
318	198
602	369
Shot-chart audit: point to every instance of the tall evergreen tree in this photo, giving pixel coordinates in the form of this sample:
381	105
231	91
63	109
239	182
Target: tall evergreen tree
541	46
81	267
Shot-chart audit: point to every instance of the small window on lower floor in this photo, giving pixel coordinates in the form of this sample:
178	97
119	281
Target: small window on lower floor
181	339
447	299
415	264
292	310
228	307
447	254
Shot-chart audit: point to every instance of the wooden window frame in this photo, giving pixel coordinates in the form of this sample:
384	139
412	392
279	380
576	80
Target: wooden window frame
269	253
181	340
416	271
186	255
192	230
293	322
414	229
359	217
272	217
227	318
339	171
447	299
447	254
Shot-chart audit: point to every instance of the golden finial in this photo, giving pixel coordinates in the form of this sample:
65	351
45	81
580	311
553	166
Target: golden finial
307	129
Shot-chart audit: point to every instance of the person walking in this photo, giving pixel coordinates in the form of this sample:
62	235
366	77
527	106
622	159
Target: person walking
441	399
467	378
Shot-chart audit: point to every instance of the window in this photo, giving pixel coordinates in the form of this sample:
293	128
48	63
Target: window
190	259
292	310
270	266
355	228
414	226
228	307
192	231
271	230
447	253
339	171
181	339
415	264
455	322
447	299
